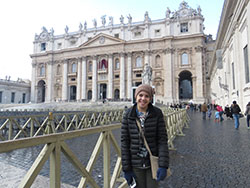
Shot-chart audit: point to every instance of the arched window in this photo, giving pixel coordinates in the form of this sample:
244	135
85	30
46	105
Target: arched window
42	70
103	64
73	67
138	62
117	64
90	66
158	61
58	69
184	59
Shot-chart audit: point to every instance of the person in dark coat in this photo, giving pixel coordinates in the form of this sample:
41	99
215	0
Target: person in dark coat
236	114
135	157
247	113
228	112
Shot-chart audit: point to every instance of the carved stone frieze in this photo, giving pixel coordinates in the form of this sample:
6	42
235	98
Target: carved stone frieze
198	48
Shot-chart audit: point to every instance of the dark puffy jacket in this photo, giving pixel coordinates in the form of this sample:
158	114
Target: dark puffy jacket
155	133
235	109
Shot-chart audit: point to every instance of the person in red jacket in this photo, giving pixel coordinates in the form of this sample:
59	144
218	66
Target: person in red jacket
221	112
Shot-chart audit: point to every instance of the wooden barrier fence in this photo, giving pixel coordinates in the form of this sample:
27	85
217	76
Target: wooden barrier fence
56	129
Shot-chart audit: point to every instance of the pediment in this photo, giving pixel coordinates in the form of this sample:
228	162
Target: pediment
102	40
137	28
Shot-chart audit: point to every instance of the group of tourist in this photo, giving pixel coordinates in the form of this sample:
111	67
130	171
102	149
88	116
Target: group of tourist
233	112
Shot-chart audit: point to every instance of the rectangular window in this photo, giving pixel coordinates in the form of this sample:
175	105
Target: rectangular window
245	51
184	27
12	97
24	96
59	45
117	76
233	76
138	75
137	34
157	32
90	78
1	95
43	46
117	35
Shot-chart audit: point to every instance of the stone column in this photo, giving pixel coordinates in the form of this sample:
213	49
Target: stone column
33	83
65	81
94	80
177	89
50	80
110	77
122	77
79	74
199	73
194	87
129	77
169	75
84	77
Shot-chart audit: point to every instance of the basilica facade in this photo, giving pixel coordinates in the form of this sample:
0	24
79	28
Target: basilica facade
106	61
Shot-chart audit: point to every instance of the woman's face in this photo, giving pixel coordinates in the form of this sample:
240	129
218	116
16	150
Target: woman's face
142	100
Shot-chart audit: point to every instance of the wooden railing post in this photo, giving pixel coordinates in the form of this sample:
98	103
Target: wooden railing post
50	128
106	160
55	166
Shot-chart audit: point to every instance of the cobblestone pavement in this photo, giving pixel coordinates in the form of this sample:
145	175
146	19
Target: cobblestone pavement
209	155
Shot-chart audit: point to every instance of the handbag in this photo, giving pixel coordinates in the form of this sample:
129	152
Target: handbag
153	159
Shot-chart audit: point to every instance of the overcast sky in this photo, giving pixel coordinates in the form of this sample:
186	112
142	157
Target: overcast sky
21	19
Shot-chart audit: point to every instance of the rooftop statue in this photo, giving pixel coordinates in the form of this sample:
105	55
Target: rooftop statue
146	17
94	23
80	27
122	19
66	29
111	20
103	20
168	12
85	25
199	10
129	19
52	31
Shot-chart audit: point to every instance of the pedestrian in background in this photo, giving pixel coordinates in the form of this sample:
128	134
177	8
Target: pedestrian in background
135	157
247	113
221	112
217	116
209	113
236	114
228	112
204	110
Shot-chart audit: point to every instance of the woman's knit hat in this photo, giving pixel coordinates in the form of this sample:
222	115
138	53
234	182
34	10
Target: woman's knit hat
146	88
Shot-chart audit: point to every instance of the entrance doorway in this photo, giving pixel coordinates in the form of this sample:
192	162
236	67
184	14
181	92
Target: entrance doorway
89	94
103	91
185	85
72	92
41	91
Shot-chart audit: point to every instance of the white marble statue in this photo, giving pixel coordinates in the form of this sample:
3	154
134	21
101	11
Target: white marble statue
147	74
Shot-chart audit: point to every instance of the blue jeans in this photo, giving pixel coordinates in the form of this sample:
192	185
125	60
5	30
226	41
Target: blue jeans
203	115
221	116
236	120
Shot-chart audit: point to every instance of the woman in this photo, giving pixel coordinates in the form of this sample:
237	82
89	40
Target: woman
247	113
135	157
